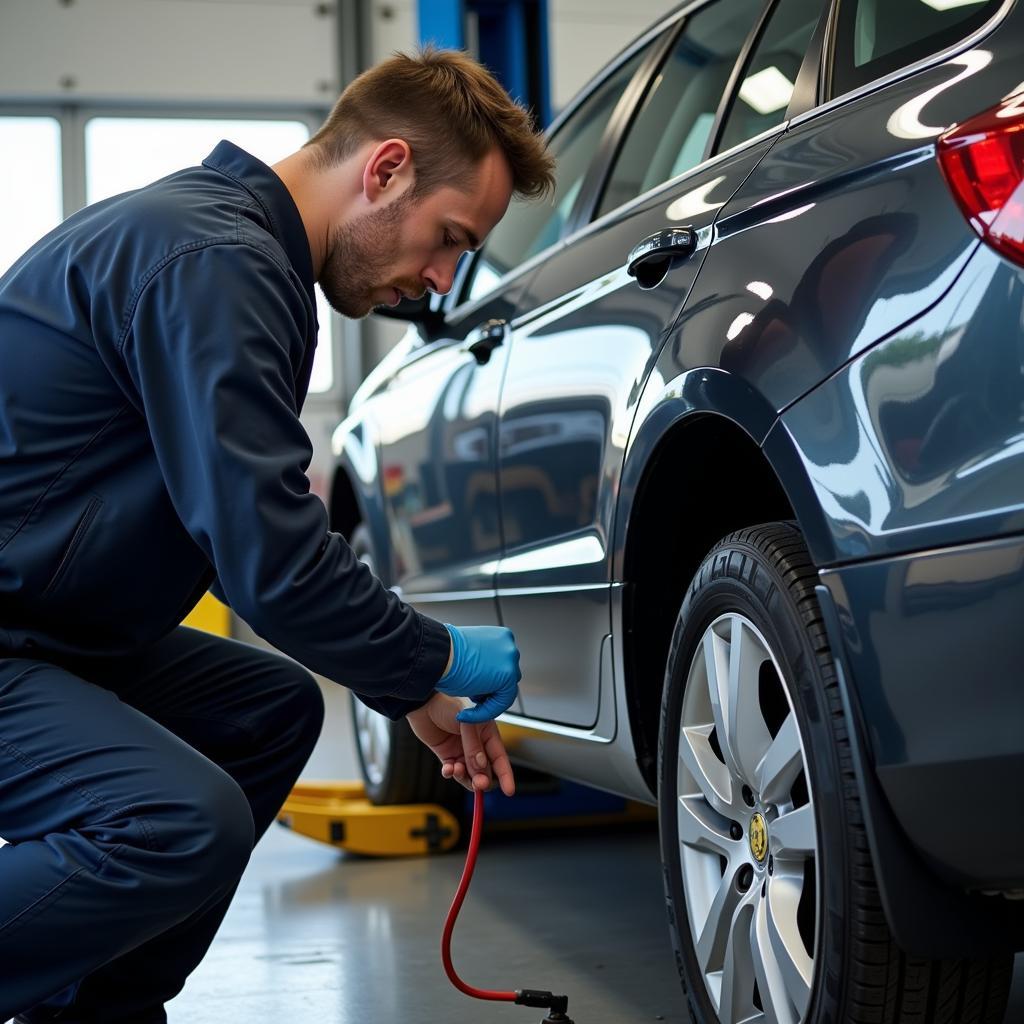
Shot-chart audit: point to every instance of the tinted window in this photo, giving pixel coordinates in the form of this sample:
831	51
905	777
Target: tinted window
670	134
530	227
768	80
876	37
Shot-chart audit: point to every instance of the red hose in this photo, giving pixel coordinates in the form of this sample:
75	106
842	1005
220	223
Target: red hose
453	913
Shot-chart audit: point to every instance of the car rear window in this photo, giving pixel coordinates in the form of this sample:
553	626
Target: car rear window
876	37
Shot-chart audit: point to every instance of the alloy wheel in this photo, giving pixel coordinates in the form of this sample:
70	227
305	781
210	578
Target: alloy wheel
748	841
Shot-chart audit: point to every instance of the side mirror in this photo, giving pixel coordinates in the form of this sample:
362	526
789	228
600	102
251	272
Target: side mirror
417	311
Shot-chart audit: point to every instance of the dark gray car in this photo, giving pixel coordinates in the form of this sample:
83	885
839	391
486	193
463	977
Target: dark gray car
731	435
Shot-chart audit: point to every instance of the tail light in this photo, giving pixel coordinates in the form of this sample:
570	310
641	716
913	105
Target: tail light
983	162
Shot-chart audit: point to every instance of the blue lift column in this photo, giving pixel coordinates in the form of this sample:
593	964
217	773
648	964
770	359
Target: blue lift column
511	37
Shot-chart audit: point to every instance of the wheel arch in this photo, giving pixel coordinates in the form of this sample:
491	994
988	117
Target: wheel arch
708	458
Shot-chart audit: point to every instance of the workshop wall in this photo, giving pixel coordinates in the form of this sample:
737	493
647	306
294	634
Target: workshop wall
203	51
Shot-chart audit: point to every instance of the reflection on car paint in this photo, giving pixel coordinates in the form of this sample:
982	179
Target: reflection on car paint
921	438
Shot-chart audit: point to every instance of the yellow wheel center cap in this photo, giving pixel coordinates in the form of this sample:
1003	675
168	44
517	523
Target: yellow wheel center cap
758	837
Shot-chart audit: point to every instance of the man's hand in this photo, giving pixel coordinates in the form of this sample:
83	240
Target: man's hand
484	665
468	753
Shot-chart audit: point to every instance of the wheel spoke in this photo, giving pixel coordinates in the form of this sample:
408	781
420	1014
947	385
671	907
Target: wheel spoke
737	1000
703	828
774	997
717	931
748	736
716	661
793	835
702	763
781	763
795	966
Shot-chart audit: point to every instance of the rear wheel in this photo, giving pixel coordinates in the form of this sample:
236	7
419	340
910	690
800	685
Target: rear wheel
396	767
773	906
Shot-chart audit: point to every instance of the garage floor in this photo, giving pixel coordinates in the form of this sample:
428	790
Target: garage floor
318	935
315	935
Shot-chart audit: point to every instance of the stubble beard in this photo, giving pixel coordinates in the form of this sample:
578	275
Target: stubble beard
358	259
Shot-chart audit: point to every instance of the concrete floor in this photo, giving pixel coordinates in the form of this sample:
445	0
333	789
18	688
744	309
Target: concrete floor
318	936
315	935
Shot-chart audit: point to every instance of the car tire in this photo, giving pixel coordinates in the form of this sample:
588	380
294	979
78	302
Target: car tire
396	767
762	837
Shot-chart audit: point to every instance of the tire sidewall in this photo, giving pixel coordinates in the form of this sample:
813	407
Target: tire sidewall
719	588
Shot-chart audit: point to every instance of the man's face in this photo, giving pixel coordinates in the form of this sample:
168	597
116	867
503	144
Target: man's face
409	245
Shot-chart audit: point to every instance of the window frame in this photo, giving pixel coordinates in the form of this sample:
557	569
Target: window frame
827	101
888	63
72	119
455	305
805	88
805	96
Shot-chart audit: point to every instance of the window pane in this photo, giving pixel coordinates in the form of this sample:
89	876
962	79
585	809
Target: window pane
770	77
530	227
876	37
123	153
30	185
671	131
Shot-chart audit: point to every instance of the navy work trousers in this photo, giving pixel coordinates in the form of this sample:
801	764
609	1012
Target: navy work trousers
132	791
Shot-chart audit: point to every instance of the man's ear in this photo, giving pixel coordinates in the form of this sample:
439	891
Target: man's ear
388	170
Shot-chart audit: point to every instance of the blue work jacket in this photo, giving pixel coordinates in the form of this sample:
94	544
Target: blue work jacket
155	351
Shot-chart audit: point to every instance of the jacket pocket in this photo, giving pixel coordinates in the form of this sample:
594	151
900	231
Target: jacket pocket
77	537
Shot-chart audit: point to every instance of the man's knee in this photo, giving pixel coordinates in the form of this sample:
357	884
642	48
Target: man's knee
300	704
203	836
311	700
226	833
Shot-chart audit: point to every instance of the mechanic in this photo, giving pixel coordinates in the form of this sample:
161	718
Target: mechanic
155	351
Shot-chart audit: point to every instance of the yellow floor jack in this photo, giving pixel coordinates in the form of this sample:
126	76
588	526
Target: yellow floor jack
340	814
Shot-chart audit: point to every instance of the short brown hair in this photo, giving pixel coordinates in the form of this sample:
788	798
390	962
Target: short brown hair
449	109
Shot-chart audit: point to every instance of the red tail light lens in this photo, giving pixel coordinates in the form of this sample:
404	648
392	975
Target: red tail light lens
983	161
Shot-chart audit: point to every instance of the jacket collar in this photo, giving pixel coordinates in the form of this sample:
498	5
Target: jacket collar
276	201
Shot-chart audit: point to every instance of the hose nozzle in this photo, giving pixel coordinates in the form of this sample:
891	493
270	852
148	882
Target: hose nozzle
558	1005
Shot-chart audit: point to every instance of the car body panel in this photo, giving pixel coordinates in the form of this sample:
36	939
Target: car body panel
920	442
844	232
436	422
577	366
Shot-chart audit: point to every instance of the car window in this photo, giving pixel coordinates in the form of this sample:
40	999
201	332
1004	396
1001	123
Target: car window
768	80
529	227
670	133
876	37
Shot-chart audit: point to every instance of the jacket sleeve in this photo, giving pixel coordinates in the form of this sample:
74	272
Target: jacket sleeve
213	347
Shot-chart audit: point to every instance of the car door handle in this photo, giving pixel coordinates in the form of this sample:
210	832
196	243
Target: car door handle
649	259
487	338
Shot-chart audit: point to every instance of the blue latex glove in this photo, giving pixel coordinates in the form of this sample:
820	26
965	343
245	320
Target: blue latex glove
485	666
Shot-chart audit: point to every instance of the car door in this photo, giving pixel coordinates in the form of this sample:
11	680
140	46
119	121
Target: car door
586	342
435	421
435	417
